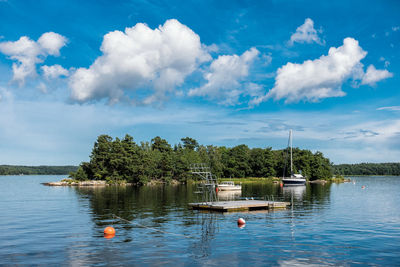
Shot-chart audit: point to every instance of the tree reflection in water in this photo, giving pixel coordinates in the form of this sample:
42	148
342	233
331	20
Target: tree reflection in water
164	211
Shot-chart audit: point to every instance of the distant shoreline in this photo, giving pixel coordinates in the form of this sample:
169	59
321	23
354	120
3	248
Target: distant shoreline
37	170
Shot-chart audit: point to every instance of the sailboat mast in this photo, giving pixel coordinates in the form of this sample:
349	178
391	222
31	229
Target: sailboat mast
291	157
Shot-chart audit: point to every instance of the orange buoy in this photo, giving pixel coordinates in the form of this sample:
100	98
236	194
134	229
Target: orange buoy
241	221
281	184
216	189
363	187
109	230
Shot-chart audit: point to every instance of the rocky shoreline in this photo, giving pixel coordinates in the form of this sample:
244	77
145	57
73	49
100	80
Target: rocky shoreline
95	183
81	183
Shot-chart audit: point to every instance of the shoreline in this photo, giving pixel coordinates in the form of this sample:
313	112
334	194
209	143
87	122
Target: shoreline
102	183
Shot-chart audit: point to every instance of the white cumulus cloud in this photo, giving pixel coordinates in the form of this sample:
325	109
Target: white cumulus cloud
306	34
373	75
149	62
27	53
321	78
225	76
51	43
53	72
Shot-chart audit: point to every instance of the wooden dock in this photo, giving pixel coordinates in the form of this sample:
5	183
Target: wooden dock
239	205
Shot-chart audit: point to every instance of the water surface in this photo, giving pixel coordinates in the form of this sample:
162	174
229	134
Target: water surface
335	224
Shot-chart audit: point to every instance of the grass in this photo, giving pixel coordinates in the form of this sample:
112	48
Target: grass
251	180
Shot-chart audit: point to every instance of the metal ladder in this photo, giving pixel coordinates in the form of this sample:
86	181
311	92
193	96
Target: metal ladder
207	188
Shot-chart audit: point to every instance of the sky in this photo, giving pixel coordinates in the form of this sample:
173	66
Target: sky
222	72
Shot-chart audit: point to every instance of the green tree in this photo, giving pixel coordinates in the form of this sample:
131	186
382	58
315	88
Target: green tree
157	143
320	167
189	143
123	159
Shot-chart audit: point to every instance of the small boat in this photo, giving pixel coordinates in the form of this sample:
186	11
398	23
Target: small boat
228	186
294	179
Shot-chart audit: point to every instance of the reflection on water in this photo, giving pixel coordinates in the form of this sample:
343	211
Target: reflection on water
332	224
208	230
130	203
295	192
229	195
154	204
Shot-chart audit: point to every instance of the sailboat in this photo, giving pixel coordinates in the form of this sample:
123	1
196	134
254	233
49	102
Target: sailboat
294	179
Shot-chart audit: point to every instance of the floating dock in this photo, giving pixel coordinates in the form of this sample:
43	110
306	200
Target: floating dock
239	205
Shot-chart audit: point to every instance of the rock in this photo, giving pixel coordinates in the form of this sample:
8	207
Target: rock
72	183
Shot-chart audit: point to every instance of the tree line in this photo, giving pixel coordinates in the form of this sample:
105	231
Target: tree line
123	159
367	169
36	170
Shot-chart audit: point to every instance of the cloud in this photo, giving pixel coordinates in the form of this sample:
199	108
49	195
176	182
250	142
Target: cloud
317	79
53	72
5	95
392	108
279	125
356	134
379	134
150	62
321	78
225	77
386	62
266	58
28	53
42	87
373	75
306	34
51	43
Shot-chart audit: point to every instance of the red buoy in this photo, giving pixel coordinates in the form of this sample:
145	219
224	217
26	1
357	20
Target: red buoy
241	221
109	230
216	189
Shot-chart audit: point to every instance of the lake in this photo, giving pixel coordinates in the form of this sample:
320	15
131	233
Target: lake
334	224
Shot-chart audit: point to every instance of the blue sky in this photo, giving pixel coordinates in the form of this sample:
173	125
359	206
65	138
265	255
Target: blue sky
222	72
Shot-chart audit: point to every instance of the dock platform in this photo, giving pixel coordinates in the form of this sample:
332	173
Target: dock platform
241	205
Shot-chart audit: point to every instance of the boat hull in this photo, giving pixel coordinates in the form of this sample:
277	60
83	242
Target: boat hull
230	188
294	181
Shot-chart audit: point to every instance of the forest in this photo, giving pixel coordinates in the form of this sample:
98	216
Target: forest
122	159
33	170
367	169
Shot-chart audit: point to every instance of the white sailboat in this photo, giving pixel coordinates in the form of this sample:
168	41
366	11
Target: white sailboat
294	179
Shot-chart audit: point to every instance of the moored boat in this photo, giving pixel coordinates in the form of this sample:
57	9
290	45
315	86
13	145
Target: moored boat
228	186
294	179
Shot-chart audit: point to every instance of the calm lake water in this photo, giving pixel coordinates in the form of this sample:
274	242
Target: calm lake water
337	224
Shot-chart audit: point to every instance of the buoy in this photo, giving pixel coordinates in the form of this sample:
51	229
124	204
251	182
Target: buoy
363	187
281	184
241	221
216	189
109	230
